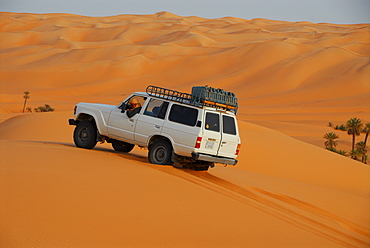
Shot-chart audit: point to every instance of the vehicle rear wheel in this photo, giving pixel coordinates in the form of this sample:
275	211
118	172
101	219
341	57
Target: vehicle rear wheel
85	134
160	153
121	146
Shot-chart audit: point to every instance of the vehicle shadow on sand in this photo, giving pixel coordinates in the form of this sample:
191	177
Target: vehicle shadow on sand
131	156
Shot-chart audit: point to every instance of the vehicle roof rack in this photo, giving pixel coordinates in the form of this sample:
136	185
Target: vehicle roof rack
168	94
201	96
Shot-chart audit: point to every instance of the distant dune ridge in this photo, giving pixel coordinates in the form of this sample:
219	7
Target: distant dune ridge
291	79
64	55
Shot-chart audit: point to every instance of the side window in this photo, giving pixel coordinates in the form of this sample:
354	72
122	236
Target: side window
213	122
228	125
156	108
183	115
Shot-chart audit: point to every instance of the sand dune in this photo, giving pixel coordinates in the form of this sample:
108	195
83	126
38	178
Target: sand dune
286	191
105	198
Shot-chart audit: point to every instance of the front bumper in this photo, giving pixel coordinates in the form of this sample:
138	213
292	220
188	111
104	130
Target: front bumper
72	122
214	159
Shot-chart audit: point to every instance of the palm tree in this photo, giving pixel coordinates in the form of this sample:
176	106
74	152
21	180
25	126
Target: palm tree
354	126
355	154
364	159
26	97
342	152
331	140
366	131
361	148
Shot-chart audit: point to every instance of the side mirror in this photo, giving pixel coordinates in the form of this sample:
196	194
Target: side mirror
123	107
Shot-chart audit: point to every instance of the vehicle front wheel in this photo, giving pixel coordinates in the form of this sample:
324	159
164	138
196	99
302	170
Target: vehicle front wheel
85	134
121	146
160	153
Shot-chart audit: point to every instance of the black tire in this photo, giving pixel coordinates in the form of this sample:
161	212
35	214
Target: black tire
160	153
201	168
198	165
204	166
121	146
85	135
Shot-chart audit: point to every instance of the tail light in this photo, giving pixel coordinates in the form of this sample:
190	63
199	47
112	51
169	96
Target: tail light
238	149
197	143
74	110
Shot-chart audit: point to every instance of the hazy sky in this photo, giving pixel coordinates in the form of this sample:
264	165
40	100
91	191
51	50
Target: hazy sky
333	11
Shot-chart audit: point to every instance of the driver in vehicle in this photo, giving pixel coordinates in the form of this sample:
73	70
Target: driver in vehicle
134	107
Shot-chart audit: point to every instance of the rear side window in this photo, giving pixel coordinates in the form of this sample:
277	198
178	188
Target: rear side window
213	122
183	115
162	110
156	108
228	125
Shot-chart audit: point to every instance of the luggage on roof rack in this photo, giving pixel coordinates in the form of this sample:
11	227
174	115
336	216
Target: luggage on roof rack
201	96
211	96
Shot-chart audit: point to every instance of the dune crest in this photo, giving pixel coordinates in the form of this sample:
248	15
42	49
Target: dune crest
166	14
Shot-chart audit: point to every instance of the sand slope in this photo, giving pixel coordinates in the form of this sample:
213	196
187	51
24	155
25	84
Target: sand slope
291	80
54	194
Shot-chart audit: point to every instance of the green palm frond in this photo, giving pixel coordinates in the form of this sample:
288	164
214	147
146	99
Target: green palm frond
331	140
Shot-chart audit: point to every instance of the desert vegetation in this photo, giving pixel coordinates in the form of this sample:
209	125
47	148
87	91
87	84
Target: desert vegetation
45	108
26	97
354	127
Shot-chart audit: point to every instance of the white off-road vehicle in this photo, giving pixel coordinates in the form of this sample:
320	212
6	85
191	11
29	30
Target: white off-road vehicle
188	130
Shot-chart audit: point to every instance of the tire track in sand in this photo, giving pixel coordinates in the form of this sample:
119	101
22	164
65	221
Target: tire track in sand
290	210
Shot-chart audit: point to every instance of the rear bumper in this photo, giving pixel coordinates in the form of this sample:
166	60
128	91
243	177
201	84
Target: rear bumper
214	159
72	122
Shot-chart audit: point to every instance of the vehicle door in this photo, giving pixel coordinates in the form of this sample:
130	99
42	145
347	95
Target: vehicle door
120	125
182	126
151	121
230	136
211	133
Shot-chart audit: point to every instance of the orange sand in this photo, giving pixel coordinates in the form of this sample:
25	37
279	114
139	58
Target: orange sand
286	191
